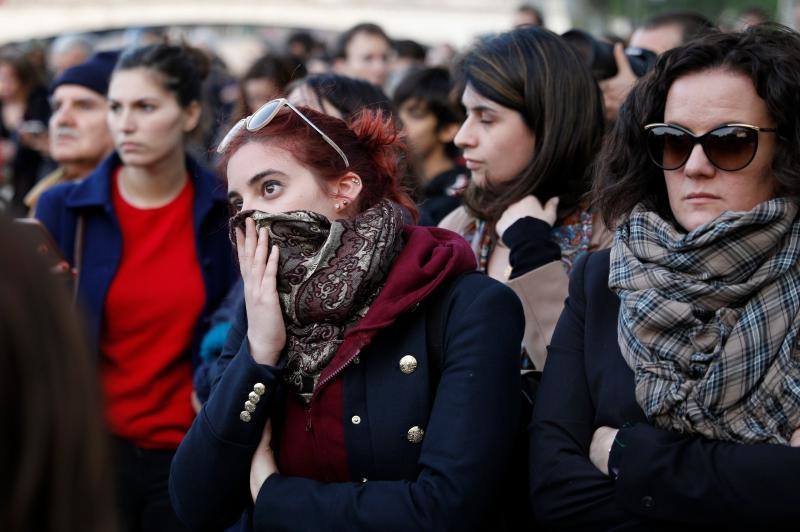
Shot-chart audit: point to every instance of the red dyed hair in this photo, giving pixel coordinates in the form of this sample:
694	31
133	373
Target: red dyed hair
370	141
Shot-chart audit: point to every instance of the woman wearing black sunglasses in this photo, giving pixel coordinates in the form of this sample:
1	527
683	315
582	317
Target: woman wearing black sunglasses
369	381
670	397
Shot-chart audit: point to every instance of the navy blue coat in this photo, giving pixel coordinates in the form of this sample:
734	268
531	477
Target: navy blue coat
448	482
59	208
666	479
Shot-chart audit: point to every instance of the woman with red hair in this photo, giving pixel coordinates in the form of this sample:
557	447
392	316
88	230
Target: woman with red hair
370	380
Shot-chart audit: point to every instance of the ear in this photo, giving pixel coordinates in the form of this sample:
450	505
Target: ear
192	117
347	188
447	134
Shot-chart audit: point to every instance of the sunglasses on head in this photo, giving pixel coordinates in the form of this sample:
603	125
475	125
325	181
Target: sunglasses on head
264	116
729	147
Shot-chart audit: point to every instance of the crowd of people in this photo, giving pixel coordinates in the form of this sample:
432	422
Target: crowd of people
548	283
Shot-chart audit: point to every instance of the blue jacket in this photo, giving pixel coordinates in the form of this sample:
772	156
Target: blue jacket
91	198
448	481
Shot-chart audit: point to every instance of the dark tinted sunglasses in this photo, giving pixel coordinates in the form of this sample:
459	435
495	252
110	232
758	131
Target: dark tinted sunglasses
729	147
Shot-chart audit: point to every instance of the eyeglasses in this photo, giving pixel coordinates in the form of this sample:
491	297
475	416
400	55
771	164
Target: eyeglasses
264	116
729	147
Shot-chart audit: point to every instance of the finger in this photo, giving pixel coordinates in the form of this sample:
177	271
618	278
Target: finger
250	242
260	257
239	233
269	280
623	65
795	441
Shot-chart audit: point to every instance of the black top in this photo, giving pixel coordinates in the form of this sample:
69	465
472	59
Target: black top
664	478
441	196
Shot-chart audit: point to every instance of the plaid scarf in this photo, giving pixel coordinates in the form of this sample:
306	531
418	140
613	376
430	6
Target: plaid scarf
329	275
709	320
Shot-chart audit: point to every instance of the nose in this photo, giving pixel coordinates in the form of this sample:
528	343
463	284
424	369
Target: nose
465	137
62	117
123	120
698	166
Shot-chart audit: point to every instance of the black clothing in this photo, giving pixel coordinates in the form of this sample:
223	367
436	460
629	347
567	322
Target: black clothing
664	478
441	196
530	244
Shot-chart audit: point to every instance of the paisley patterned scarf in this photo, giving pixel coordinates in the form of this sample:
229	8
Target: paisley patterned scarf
329	275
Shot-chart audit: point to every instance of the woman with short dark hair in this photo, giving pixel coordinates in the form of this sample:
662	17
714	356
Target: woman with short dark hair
670	396
534	123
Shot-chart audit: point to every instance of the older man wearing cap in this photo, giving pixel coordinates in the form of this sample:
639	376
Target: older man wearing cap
79	136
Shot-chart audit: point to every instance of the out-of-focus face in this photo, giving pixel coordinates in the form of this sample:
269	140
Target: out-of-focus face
305	96
268	178
258	91
146	120
658	39
78	129
420	126
698	191
367	57
9	82
496	141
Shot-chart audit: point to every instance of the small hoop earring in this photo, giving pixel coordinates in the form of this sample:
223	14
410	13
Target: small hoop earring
356	181
345	203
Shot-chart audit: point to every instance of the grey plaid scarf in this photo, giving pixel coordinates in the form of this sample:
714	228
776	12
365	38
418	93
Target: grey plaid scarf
709	320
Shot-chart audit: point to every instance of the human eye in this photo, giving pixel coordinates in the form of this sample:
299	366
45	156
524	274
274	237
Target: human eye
147	107
271	187
114	107
235	204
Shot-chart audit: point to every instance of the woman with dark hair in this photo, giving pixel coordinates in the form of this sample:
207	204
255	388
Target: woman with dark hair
147	232
338	96
24	113
534	122
369	381
53	452
670	394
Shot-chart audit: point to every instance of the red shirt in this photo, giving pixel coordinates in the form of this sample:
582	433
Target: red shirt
150	313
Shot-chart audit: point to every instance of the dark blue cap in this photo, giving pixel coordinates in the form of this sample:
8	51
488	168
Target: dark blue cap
94	73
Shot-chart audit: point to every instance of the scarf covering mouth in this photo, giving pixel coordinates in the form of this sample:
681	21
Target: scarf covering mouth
329	274
709	319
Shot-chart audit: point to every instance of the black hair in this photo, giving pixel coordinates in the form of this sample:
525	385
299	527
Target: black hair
768	54
535	72
347	95
407	48
692	24
365	27
181	67
431	87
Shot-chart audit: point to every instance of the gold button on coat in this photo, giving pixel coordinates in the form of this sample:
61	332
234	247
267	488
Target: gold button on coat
254	398
250	407
356	420
259	388
408	364
245	416
415	434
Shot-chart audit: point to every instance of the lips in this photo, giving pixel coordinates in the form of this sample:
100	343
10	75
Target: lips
700	197
472	163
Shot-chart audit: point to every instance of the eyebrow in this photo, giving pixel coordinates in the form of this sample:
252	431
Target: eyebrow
480	108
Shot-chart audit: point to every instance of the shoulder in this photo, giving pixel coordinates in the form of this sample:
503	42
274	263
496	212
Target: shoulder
589	278
55	196
457	221
475	294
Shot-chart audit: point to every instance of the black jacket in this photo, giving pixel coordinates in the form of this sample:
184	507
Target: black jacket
666	479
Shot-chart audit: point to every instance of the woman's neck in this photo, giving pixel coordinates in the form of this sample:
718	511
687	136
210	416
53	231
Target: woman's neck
153	186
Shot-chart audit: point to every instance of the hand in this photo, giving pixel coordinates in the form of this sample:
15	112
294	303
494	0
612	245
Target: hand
527	206
616	89
600	449
263	464
196	404
795	441
266	332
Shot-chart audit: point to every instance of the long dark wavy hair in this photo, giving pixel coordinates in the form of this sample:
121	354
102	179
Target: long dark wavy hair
536	73
767	54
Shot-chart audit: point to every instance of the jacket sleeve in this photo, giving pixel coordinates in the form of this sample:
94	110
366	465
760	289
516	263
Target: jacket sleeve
567	490
209	476
465	449
686	478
